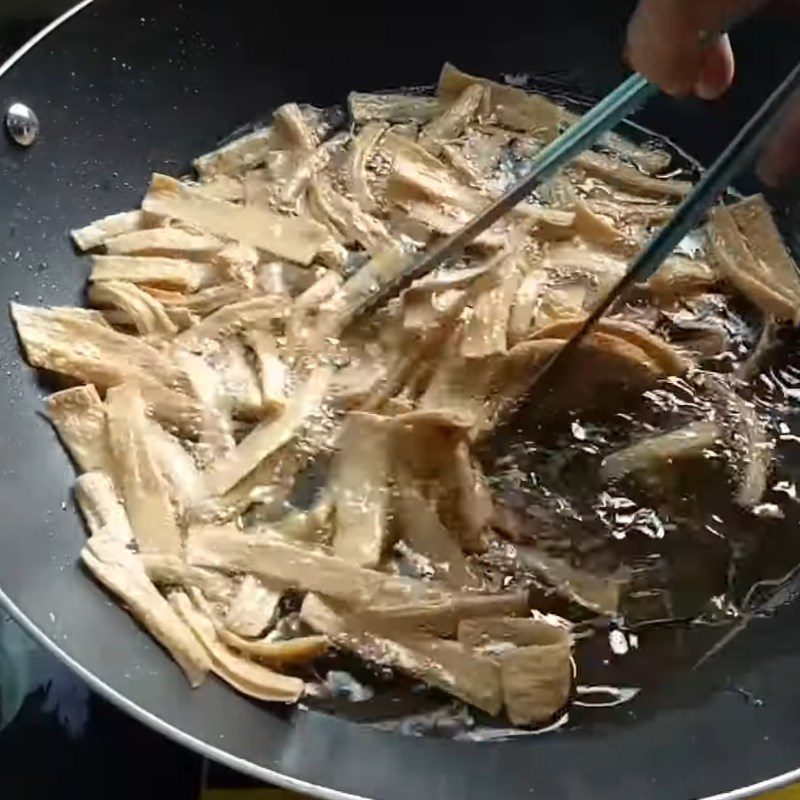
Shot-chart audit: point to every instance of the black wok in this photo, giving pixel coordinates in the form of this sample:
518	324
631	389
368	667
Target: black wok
125	88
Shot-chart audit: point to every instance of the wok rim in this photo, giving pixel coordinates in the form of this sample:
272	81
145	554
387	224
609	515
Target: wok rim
174	733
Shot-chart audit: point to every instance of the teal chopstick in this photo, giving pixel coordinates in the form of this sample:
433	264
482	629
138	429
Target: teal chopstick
692	210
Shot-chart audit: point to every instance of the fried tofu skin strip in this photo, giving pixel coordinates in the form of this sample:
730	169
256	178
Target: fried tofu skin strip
281	653
141	310
101	508
79	346
295	238
447	665
253	609
361	149
224	473
177	465
79	417
443	617
753	278
537	678
225	322
756	224
348	221
107	556
681	277
630	178
420	219
178	274
143	485
121	572
595	227
664	356
270	558
466	500
482	633
453	120
201	303
222	187
486	331
292	129
164	242
99	232
525	304
272	372
419	525
365	108
253	680
236	157
513	107
173	571
687	442
597	593
360	489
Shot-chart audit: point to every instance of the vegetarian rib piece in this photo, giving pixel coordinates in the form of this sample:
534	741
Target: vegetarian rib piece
100	231
537	678
178	274
360	489
247	677
142	483
253	608
513	107
269	557
689	441
224	473
445	664
142	311
101	508
80	345
164	242
278	652
754	278
391	107
122	573
79	417
107	556
296	238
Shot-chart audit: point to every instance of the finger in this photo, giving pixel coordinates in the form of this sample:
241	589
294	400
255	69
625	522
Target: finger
781	159
716	69
676	43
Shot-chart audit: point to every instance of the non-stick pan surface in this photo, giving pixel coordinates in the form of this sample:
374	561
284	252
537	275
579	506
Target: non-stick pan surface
127	87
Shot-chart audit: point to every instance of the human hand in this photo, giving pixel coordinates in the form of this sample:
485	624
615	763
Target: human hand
677	44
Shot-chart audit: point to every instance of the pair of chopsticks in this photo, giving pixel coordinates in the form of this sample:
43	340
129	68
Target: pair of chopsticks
601	119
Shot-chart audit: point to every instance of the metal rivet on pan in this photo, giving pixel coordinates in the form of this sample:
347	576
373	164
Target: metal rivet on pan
22	124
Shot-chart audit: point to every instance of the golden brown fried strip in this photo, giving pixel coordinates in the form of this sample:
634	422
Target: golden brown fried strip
360	490
142	483
79	417
298	239
268	556
253	680
447	665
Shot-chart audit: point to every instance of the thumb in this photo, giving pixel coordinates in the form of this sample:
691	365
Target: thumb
680	45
